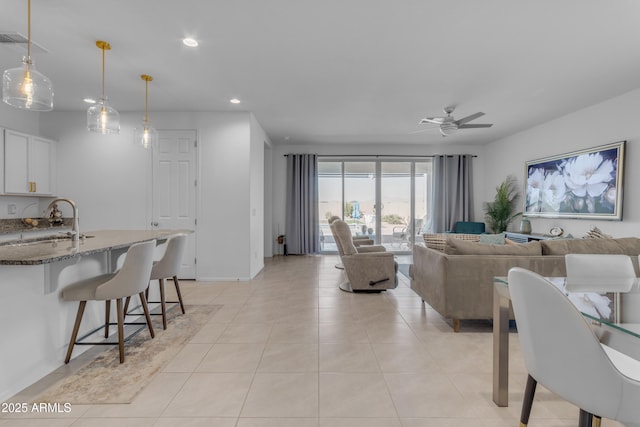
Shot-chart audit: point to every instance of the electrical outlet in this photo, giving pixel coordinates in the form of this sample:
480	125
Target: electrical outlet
11	209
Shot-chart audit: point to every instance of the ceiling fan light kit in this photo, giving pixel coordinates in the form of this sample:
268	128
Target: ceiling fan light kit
449	125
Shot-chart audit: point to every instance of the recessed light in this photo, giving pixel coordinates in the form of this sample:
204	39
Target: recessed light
89	100
234	101
188	41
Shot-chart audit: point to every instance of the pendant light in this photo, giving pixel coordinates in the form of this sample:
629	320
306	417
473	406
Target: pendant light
146	135
25	87
101	117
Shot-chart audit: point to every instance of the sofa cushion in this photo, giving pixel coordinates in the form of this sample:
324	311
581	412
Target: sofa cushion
627	246
438	241
492	239
461	247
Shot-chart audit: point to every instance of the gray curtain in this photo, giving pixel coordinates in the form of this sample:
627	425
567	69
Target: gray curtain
452	194
302	232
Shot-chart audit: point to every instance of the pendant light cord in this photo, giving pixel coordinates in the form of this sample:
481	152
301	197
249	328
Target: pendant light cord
103	72
29	29
146	102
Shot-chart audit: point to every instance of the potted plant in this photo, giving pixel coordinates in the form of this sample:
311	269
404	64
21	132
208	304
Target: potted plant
503	209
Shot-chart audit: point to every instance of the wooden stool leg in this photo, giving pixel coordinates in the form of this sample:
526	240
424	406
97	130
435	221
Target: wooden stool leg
107	314
175	282
163	304
527	402
120	329
76	327
146	313
126	306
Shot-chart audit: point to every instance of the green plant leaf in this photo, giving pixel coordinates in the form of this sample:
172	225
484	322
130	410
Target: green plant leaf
504	208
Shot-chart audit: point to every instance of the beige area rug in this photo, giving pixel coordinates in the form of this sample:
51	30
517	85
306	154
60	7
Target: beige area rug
106	380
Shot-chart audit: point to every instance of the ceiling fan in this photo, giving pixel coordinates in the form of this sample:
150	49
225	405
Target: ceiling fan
449	124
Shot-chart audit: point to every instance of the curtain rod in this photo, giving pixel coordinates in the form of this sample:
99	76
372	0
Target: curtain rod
384	155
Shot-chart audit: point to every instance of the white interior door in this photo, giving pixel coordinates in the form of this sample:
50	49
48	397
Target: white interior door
174	189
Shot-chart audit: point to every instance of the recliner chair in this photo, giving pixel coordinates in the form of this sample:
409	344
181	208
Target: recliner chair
368	268
357	240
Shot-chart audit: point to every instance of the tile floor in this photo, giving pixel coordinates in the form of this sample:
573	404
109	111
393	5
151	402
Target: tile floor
289	349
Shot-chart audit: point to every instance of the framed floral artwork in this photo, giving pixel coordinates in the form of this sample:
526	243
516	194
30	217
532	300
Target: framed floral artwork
583	184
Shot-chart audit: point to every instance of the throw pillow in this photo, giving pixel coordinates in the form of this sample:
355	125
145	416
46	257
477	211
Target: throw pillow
492	239
438	241
461	247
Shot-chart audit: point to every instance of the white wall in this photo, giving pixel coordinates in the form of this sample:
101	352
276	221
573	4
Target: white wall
106	175
256	197
279	168
20	120
610	121
109	176
268	201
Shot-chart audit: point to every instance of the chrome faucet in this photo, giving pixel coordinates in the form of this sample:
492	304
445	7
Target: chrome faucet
75	229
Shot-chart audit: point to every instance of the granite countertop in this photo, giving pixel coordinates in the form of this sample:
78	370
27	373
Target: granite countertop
41	251
12	226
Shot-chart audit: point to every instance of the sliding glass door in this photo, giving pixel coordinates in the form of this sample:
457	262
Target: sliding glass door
395	206
385	199
360	197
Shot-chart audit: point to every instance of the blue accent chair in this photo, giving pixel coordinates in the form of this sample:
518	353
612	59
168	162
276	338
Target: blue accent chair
468	227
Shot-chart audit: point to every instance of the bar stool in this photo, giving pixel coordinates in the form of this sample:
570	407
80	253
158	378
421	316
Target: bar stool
131	279
168	266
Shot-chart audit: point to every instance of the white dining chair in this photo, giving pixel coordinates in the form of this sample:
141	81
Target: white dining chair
599	273
562	353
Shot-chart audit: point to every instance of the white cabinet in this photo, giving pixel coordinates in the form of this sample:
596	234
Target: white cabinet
28	164
40	156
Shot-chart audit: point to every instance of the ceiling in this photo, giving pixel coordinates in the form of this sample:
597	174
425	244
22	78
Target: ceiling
339	71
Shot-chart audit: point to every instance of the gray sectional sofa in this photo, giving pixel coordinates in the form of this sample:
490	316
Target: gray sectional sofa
458	281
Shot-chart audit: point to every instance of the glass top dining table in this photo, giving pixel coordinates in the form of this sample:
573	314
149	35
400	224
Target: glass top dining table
614	317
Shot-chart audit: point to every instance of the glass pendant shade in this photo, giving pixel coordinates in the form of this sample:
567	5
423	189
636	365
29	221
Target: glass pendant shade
25	87
146	135
102	118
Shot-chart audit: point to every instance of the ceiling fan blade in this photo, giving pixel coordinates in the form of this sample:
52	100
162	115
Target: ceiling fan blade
436	120
422	130
469	118
475	126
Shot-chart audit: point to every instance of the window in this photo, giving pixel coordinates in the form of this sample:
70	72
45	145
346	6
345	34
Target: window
385	199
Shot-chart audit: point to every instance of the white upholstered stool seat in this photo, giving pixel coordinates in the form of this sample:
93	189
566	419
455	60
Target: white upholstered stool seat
168	267
131	279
